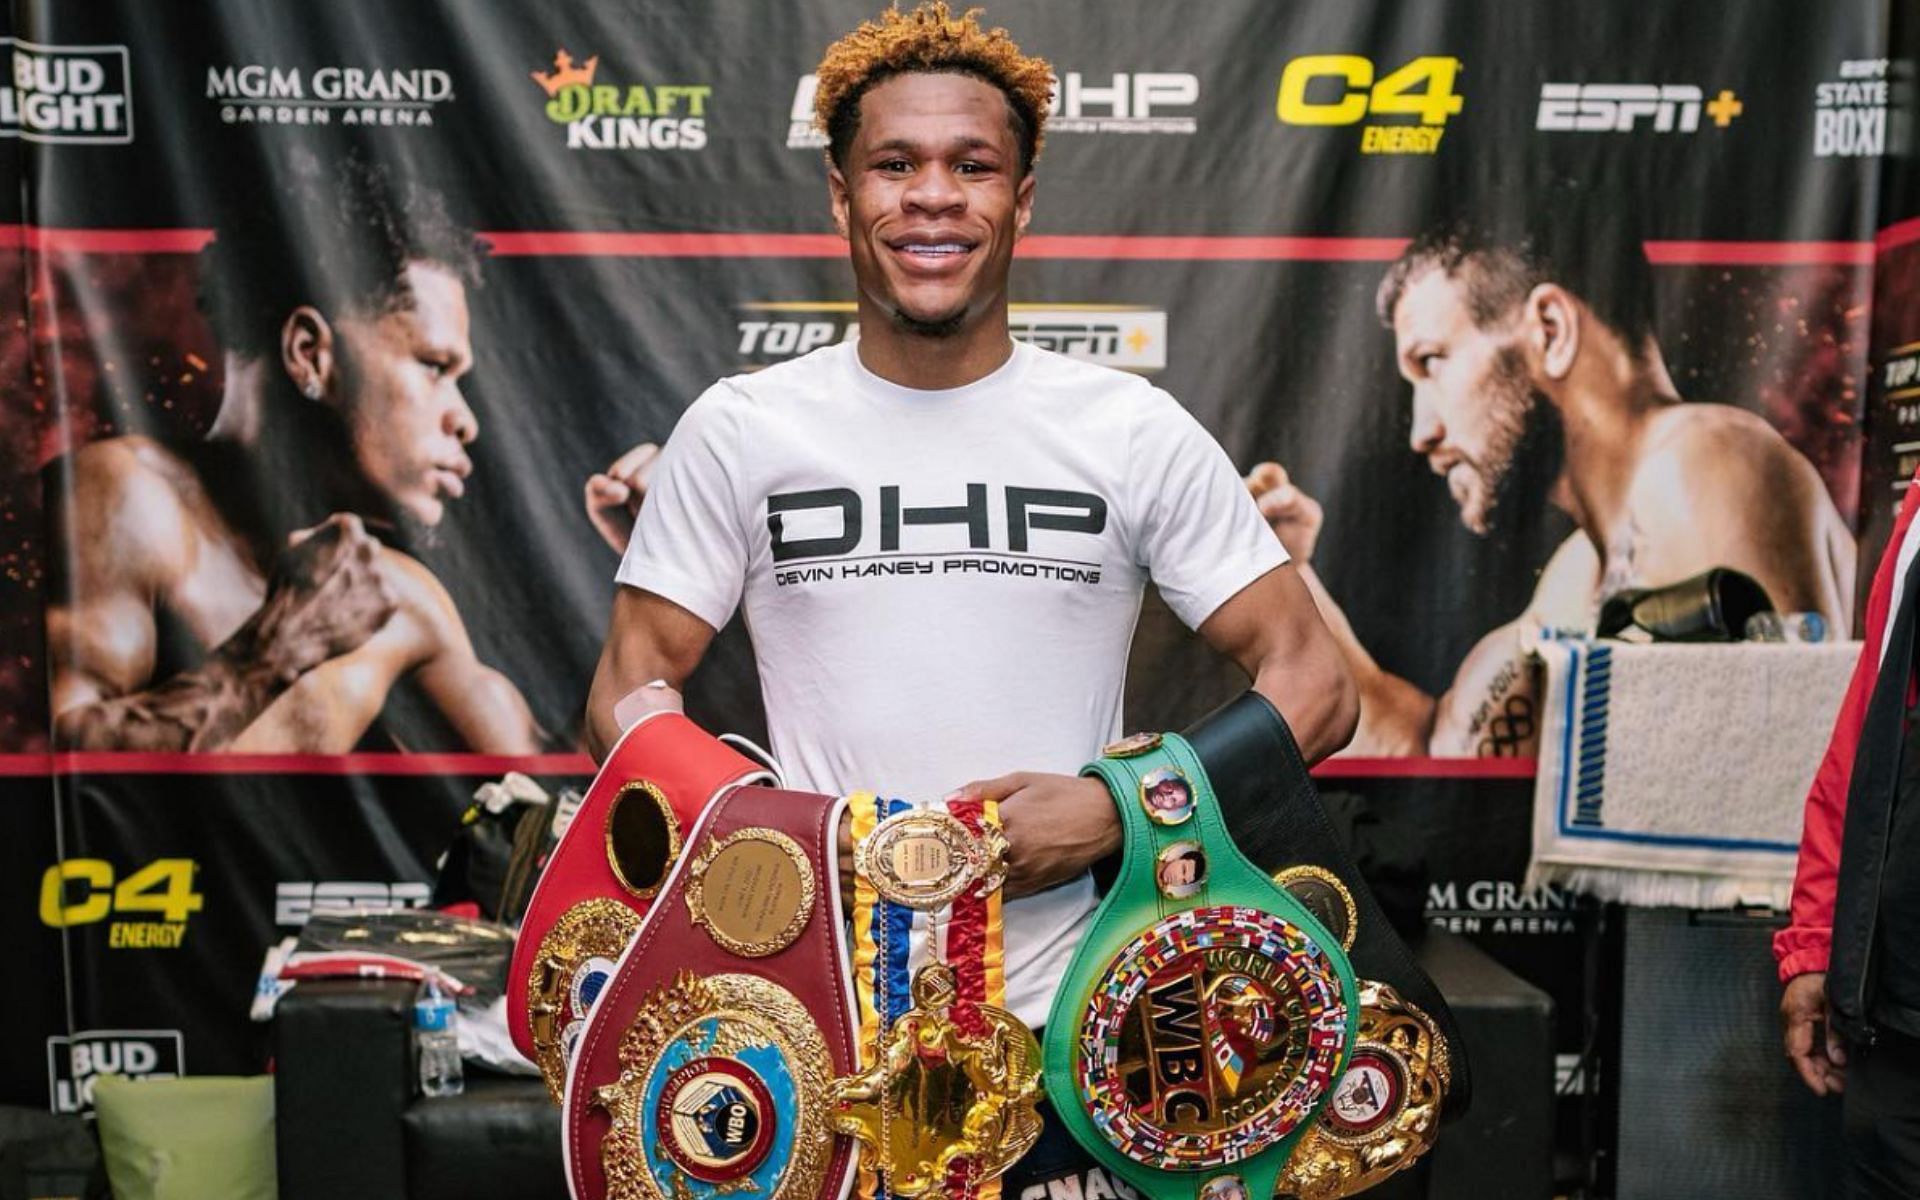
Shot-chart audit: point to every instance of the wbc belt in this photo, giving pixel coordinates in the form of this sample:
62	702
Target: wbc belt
1207	1013
603	876
705	1066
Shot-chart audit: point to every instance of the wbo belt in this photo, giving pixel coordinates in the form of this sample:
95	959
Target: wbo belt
1207	1013
603	877
705	1066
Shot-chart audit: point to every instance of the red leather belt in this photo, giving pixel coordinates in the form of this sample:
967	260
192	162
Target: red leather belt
603	876
704	1067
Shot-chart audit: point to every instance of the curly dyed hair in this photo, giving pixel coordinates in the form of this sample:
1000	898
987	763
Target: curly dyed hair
930	40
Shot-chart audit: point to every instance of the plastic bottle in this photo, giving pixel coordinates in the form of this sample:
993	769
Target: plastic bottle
435	1029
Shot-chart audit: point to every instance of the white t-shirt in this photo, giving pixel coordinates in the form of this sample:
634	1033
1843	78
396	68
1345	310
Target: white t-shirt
941	586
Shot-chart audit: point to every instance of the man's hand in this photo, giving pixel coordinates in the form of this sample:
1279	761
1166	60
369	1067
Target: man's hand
1811	1044
327	596
1056	825
1294	516
615	494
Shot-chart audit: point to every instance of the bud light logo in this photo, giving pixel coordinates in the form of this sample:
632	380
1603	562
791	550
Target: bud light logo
74	1063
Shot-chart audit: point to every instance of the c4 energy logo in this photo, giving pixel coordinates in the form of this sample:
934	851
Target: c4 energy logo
1850	113
1403	111
599	115
66	93
86	891
1125	336
1627	107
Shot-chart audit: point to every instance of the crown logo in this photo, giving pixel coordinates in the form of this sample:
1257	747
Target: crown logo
565	74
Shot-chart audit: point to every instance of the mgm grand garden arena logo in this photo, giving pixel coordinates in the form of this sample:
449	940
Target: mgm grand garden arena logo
1123	336
66	93
257	94
603	115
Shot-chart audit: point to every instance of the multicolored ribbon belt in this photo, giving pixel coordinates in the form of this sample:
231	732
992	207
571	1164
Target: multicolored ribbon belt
603	876
947	1100
705	1066
1207	1013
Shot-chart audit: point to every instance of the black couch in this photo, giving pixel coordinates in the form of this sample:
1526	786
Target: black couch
351	1121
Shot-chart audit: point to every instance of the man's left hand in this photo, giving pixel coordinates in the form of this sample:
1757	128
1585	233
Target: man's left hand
1056	825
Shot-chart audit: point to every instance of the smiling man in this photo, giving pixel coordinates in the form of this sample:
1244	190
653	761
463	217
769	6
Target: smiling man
226	594
1537	378
940	537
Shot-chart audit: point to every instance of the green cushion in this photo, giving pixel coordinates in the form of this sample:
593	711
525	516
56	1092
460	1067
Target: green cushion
187	1139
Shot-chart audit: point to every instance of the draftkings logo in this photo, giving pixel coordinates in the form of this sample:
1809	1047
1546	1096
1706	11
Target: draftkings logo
146	908
66	94
295	902
258	94
599	115
73	1063
1850	113
1631	107
1403	111
1123	336
1117	102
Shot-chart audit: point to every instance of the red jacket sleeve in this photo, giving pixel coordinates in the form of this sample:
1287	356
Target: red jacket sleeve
1802	946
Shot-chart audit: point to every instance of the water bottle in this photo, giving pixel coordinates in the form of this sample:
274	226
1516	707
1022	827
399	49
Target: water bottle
439	1041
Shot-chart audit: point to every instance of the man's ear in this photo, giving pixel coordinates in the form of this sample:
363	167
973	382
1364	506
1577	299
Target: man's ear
838	198
1023	204
306	352
1553	329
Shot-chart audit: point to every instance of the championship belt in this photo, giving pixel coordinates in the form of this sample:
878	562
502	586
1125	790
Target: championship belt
948	1099
1408	1069
705	1065
603	876
1207	1013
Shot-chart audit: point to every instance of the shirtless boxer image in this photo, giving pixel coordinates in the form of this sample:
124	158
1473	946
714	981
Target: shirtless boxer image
230	594
1537	377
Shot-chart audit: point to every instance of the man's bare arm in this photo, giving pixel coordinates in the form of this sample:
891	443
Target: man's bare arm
1273	630
649	637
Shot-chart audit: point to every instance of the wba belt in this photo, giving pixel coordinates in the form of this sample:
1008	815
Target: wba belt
1207	1013
705	1066
603	876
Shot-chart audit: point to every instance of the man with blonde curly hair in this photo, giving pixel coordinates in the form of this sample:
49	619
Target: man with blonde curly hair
941	537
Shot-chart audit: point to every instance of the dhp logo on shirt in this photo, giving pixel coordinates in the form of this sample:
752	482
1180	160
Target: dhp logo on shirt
830	523
73	1063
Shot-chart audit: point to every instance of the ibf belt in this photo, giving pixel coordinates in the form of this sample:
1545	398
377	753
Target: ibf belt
948	1098
1207	1013
704	1067
603	876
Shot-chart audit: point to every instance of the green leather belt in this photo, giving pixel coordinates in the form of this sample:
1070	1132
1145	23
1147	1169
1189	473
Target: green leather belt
1207	1013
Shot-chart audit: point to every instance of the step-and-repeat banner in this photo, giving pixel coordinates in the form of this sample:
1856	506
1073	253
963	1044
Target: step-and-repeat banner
328	315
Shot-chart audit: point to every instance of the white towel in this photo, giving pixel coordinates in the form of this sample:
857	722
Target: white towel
1675	774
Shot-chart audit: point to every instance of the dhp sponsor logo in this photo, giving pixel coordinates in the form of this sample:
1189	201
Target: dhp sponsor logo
66	94
1850	113
73	1063
260	94
1406	110
294	902
630	116
1083	102
1124	336
1627	107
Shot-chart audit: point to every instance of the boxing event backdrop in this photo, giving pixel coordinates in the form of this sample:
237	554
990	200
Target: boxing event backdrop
1222	191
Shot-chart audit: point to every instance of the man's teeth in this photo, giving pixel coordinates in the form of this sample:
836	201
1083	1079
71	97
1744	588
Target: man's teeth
941	248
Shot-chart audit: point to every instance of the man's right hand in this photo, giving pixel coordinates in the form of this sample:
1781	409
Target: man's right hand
614	495
1811	1044
1294	516
328	594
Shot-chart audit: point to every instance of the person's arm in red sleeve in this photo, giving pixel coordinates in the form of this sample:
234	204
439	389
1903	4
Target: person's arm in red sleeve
1801	948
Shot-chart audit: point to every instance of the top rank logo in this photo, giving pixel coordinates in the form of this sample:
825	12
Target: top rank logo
1625	107
634	116
66	94
1341	89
